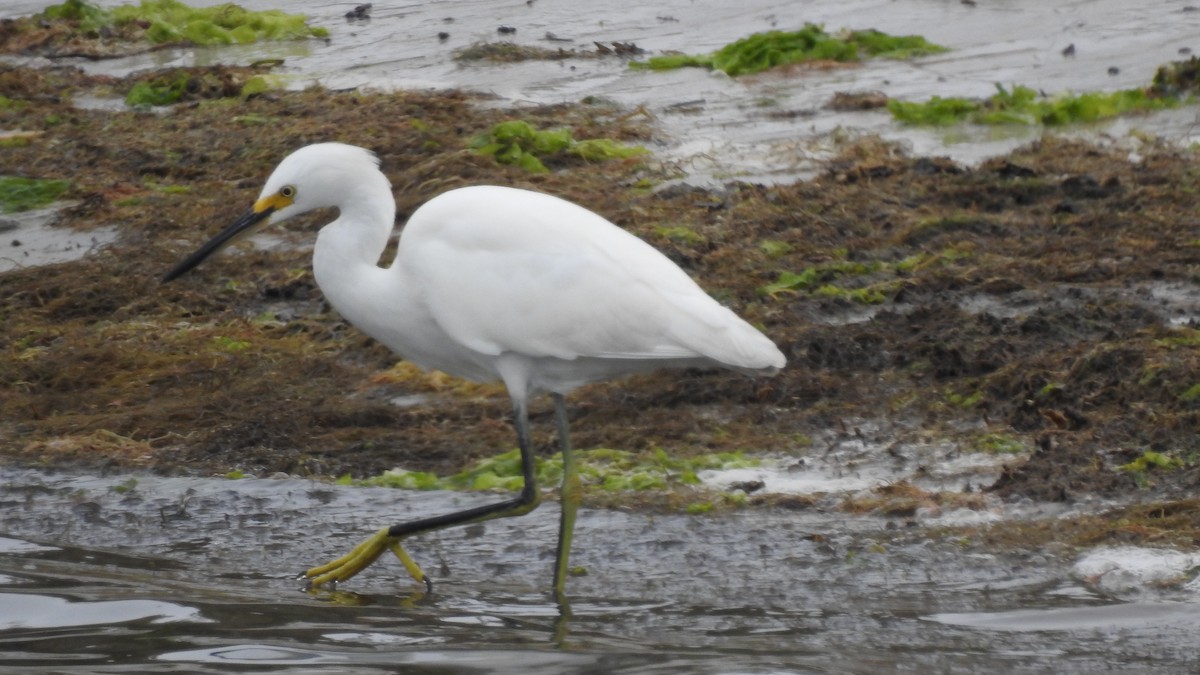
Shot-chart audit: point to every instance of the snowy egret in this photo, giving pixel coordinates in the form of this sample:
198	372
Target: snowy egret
494	283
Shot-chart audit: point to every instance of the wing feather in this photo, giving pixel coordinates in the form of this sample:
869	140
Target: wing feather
547	278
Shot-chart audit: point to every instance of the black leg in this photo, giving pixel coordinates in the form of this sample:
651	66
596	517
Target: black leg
389	538
569	497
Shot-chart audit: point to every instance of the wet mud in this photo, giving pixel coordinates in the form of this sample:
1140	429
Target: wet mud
1048	297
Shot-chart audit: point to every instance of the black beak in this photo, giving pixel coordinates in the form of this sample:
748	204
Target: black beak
243	224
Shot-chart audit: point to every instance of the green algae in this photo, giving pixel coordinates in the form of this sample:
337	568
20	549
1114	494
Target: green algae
965	401
163	91
881	45
775	249
171	21
680	234
175	85
817	280
22	194
1022	105
1150	460
875	294
91	17
519	143
125	487
601	468
1150	467
763	51
260	84
998	444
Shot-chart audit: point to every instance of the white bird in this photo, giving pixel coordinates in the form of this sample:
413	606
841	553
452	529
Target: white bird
494	283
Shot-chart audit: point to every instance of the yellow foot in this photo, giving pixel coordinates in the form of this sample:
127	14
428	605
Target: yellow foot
360	558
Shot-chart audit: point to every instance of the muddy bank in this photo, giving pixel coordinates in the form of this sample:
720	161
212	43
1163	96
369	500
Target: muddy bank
1042	304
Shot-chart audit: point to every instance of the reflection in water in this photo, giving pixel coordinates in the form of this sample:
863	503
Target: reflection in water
20	610
254	654
135	582
1102	617
31	239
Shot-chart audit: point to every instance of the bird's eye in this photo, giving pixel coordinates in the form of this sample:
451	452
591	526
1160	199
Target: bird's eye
287	191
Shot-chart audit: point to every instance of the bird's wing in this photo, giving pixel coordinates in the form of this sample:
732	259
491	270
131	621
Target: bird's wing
543	277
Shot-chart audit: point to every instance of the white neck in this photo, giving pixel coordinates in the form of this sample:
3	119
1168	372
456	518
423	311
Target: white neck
367	214
347	252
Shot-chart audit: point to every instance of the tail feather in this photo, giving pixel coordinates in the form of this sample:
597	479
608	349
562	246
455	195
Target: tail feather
724	337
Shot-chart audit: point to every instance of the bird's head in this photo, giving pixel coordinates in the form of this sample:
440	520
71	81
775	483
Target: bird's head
313	177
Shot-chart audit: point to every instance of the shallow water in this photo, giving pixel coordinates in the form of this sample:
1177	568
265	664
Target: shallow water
29	239
766	128
152	574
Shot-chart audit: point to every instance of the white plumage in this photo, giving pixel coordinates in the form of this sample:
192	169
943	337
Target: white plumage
486	272
497	283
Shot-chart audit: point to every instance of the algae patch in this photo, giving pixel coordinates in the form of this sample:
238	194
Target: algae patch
519	143
602	469
1152	465
998	444
24	194
170	21
81	28
1174	84
763	51
818	279
174	85
1023	105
